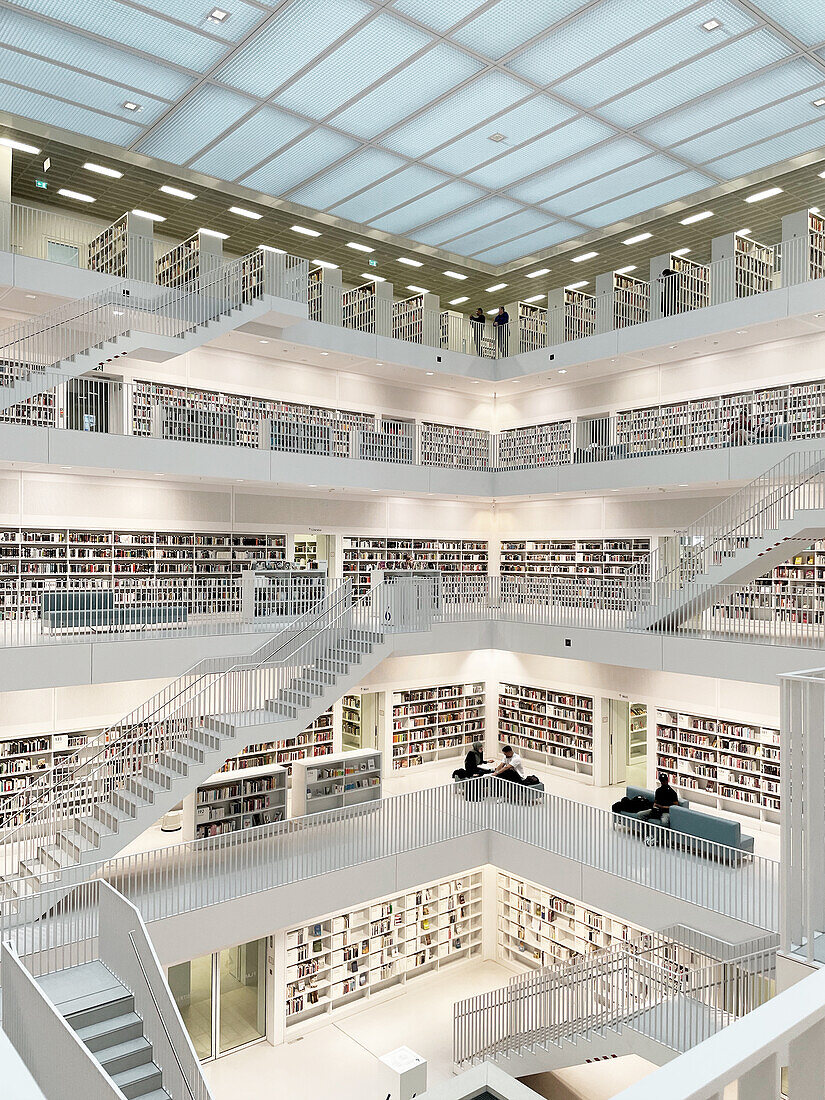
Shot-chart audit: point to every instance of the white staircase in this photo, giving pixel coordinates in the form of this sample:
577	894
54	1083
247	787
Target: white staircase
149	321
149	761
758	527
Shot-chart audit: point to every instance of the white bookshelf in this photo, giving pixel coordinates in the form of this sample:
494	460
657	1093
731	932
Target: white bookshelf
316	740
352	955
453	329
621	300
339	780
685	289
368	308
351	721
455	447
571	315
325	295
528	327
742	267
455	558
417	319
721	762
125	249
192	259
535	445
38	560
793	592
537	927
233	800
549	726
436	723
803	247
44	758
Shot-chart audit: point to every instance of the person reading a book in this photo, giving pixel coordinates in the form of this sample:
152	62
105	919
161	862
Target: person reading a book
511	766
473	761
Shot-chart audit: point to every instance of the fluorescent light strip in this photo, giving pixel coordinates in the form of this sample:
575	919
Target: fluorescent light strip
410	263
359	247
75	195
625	270
535	274
681	252
576	286
536	298
148	214
459	301
766	194
177	192
306	232
269	248
819	103
242	213
692	218
418	289
373	278
214	233
100	170
454	275
324	263
496	286
20	146
743	232
584	256
639	237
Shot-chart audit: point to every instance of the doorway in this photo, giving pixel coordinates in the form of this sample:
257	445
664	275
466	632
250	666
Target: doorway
222	998
362	714
626	744
314	550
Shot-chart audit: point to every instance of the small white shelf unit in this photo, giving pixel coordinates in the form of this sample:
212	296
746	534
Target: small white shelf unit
368	308
339	780
549	726
455	447
621	300
231	801
528	327
803	247
571	315
125	249
685	288
44	758
192	259
741	267
417	319
436	723
343	958
535	445
325	295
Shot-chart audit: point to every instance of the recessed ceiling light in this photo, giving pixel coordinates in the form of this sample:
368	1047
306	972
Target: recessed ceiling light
430	373
711	25
375	490
324	263
20	146
536	298
562	371
474	381
67	467
491	312
681	252
696	217
243	213
819	102
148	214
496	286
312	486
673	347
324	353
576	286
130	106
410	263
177	192
813	209
768	193
306	232
269	248
584	256
74	195
263	341
458	301
359	247
639	237
214	233
374	278
535	274
625	270
741	332
418	289
497	137
32	296
217	15
454	275
100	170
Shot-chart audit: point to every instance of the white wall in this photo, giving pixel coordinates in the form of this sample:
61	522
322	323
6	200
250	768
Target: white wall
63	709
597	515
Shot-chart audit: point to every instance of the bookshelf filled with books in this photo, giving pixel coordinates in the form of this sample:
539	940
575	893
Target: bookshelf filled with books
571	315
190	260
236	799
436	723
454	447
459	560
417	319
368	308
348	956
324	295
621	300
315	740
549	726
125	249
351	721
678	285
741	267
535	445
721	762
528	327
803	247
561	562
32	764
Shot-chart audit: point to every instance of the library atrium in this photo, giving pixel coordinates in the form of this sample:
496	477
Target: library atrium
490	763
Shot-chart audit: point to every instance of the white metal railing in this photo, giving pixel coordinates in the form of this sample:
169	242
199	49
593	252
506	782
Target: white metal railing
613	989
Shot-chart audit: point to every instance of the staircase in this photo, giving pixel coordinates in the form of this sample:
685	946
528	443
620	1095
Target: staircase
151	321
176	740
758	527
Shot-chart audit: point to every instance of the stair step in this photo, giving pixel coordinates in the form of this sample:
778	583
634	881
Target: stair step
204	736
130	1054
75	844
97	1011
159	776
190	750
55	857
143	788
111	815
285	709
13	888
175	762
138	1080
127	802
34	870
156	1094
116	1029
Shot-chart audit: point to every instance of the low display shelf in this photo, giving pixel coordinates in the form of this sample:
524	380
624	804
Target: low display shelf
339	780
549	726
435	723
538	927
721	762
351	955
230	801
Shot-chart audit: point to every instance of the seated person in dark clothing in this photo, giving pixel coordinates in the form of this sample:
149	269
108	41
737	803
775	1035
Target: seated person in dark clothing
511	766
473	761
663	799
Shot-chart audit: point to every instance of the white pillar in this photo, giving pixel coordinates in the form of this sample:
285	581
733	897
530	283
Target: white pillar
806	1065
761	1082
5	199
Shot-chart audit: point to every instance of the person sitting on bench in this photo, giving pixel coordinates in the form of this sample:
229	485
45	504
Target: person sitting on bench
663	798
511	766
473	761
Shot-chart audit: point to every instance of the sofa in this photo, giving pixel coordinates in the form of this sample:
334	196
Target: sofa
690	828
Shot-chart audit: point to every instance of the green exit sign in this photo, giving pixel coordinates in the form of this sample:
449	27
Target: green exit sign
373	263
41	183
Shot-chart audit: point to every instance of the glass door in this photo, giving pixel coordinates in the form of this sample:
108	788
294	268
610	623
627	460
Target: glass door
191	985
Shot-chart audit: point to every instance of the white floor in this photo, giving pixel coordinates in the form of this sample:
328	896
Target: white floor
341	1059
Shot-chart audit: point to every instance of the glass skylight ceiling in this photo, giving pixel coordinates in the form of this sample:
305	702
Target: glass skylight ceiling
491	131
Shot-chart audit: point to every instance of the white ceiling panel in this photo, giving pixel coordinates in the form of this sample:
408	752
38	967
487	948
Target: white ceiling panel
803	18
428	208
354	174
241	149
768	152
563	142
480	213
305	158
534	244
648	198
511	23
580	170
439	15
399	189
611	186
208	111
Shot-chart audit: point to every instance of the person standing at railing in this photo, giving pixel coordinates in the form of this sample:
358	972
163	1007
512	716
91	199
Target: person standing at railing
501	323
741	429
477	323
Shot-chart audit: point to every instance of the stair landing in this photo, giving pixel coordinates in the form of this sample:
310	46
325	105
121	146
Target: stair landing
81	987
